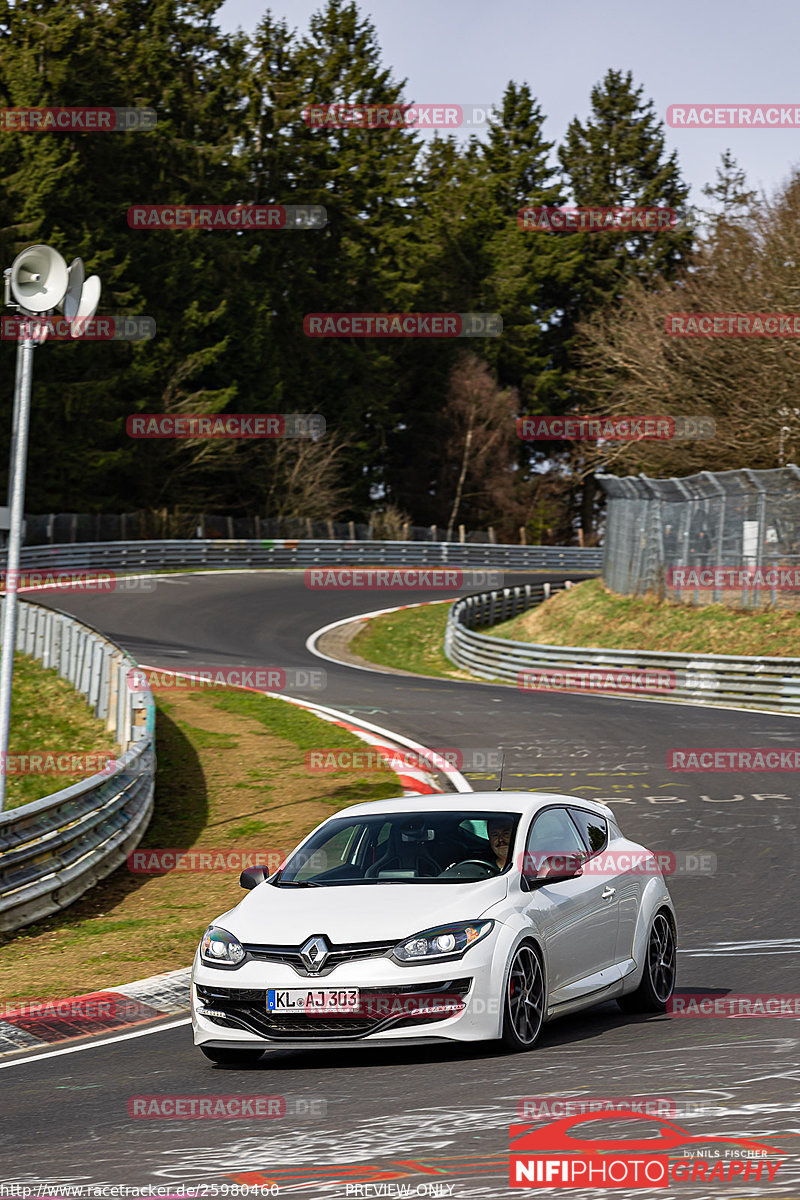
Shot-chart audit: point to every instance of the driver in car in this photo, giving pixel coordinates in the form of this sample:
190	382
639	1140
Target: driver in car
499	832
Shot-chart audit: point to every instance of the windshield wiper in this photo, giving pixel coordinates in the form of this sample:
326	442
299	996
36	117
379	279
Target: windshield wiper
298	883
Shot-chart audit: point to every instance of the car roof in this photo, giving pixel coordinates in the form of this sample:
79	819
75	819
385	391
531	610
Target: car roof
524	803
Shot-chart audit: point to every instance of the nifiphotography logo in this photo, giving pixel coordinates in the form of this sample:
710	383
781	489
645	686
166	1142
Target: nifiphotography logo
657	1155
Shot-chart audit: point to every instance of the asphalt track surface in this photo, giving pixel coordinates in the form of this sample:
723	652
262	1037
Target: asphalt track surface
447	1110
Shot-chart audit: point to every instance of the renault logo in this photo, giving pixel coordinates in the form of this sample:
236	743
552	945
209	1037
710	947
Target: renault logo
314	954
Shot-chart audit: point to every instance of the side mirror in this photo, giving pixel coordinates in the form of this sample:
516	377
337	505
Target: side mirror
252	877
554	868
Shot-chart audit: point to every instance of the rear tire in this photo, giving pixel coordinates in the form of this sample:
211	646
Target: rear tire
524	1003
658	977
233	1057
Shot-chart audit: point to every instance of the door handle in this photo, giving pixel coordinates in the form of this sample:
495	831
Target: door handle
608	893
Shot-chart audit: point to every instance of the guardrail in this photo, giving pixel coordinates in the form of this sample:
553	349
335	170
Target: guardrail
214	553
746	682
52	850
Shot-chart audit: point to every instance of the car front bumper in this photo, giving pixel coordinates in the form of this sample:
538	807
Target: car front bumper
394	1013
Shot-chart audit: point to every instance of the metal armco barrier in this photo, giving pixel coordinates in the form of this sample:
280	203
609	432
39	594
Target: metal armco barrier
54	849
771	683
131	557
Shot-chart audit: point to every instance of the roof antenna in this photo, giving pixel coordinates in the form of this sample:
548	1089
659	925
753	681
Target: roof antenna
502	768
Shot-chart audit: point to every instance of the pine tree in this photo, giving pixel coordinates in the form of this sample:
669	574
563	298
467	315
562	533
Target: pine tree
617	157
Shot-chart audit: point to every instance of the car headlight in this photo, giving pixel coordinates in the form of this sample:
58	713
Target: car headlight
220	948
447	941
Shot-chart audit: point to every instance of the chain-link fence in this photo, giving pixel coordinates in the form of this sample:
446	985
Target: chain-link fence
59	528
727	537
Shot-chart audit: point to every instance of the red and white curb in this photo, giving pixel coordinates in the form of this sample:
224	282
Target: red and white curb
32	1024
391	746
313	638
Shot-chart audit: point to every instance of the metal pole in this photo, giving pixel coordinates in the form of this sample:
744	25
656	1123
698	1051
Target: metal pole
24	374
14	426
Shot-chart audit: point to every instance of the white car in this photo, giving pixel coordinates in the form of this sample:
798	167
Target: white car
451	918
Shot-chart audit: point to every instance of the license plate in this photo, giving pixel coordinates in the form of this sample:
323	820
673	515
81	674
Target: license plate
313	1002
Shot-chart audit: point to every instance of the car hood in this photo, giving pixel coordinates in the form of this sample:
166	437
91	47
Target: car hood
368	913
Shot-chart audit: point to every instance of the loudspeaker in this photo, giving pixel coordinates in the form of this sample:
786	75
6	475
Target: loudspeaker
69	305
39	279
87	305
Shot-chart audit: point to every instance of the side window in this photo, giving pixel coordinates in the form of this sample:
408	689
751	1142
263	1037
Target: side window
554	833
593	828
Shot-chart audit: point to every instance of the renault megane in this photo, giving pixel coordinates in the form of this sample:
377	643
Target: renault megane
450	918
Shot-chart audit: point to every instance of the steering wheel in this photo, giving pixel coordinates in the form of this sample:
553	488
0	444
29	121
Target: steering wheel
471	862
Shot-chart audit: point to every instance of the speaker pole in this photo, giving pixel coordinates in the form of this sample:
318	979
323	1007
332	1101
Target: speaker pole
14	424
17	504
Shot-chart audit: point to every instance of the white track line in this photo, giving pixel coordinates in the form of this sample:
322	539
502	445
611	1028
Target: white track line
123	1037
312	639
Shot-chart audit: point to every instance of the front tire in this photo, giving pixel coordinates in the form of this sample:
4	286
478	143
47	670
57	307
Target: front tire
523	1008
658	977
233	1057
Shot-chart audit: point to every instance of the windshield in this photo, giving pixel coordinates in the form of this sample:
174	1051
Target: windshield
413	847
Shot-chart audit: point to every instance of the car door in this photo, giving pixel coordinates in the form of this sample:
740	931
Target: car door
603	840
577	918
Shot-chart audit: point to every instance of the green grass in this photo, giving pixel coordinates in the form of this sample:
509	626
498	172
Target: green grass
212	750
49	715
587	615
411	639
590	615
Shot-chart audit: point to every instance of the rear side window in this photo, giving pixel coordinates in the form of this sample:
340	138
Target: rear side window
594	829
554	833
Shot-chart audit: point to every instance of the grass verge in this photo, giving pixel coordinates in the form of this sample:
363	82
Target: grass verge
48	716
587	615
591	615
411	639
231	776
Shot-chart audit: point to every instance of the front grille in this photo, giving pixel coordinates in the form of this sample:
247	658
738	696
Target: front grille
290	955
246	1008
